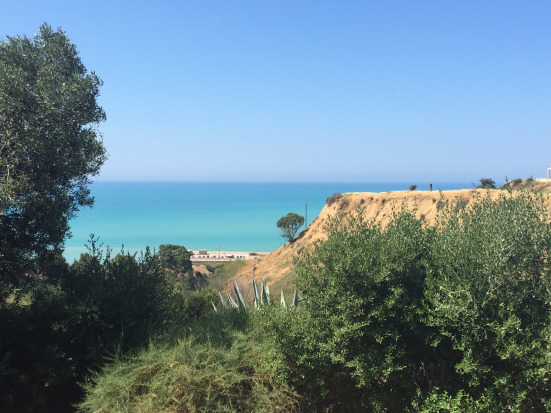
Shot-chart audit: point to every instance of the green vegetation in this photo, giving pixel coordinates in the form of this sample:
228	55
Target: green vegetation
49	148
289	225
408	317
412	187
91	309
220	364
528	184
175	257
510	185
59	322
98	307
453	317
486	183
223	272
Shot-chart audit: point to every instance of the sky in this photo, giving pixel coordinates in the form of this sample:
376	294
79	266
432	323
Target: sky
313	90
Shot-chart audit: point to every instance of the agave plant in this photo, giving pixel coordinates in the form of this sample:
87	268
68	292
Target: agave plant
261	297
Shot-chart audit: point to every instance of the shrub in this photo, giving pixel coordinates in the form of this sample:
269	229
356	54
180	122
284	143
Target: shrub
509	185
351	345
454	315
486	183
488	294
344	203
333	198
99	307
189	305
211	267
413	187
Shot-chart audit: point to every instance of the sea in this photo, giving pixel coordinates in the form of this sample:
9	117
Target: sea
230	216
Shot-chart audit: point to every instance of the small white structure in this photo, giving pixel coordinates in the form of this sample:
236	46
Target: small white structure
548	173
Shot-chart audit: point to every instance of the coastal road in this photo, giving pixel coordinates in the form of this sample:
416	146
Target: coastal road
203	256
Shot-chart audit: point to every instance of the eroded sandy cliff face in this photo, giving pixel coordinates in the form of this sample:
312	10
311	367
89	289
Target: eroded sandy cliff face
278	267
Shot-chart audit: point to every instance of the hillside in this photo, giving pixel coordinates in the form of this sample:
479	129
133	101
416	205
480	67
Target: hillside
529	184
278	267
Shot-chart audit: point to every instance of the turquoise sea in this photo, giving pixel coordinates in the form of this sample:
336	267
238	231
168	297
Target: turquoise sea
232	216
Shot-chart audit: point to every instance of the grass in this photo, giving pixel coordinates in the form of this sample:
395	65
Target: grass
229	269
215	365
288	284
224	272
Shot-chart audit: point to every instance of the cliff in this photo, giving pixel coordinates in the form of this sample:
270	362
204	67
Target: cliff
278	267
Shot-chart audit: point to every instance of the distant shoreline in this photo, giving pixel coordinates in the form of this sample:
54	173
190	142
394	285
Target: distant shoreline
241	217
208	256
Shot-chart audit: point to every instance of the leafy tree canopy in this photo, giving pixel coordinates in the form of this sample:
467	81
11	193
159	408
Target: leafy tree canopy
49	146
289	225
175	257
487	183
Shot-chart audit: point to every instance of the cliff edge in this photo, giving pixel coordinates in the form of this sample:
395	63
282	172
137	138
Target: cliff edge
278	267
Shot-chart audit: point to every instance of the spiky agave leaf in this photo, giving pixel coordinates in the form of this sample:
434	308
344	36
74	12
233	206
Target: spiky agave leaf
267	290
295	299
224	304
256	293
265	293
262	300
232	301
238	295
283	298
213	306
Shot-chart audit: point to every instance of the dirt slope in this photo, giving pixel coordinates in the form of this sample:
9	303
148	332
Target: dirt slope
278	267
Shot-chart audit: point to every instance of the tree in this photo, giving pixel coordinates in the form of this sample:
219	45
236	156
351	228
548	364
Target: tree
289	225
486	183
49	147
175	257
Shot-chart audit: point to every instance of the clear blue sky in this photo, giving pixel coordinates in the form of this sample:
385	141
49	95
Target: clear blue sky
313	90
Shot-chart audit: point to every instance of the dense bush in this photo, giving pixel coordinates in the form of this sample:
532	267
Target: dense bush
448	318
488	294
76	318
355	342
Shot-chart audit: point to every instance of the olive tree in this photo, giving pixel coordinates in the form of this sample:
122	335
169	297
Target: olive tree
289	225
49	147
